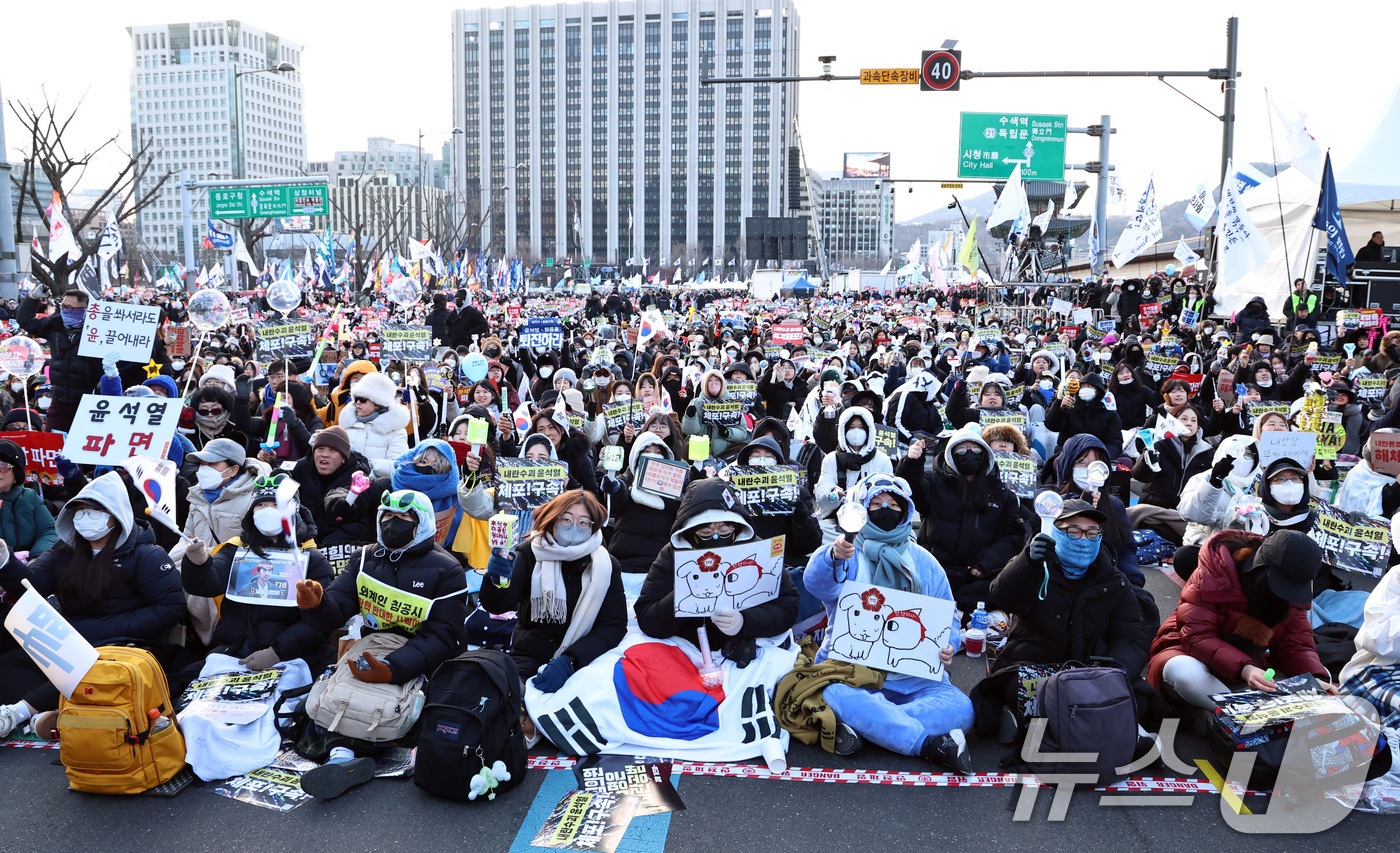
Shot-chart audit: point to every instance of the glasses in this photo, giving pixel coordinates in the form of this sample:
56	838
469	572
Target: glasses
723	528
968	447
362	400
211	411
1093	534
570	524
6	467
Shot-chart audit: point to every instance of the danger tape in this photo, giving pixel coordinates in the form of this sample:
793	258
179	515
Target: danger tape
1136	784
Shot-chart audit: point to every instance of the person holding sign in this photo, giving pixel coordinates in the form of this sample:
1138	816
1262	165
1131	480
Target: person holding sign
111	580
714	413
567	444
641	518
565	588
25	522
260	630
71	375
856	457
907	715
800	526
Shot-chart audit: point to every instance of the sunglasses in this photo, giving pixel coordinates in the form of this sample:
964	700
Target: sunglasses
212	411
362	400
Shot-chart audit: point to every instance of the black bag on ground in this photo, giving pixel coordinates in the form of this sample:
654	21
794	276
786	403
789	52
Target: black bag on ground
1336	644
1087	710
471	720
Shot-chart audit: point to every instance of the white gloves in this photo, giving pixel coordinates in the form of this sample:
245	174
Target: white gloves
109	363
728	621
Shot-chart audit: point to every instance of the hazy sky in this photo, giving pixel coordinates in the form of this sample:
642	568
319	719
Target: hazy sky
384	69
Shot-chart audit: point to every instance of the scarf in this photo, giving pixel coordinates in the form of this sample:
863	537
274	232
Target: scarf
211	427
1075	555
855	461
885	551
548	600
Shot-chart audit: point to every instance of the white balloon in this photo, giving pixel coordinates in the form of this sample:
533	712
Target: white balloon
209	310
21	356
405	291
283	296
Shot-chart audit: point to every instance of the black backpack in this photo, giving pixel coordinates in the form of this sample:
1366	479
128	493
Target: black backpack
471	719
1087	710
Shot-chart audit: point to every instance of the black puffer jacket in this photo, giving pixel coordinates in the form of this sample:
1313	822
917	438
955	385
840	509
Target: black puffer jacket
909	410
640	528
423	569
800	527
316	492
1089	417
705	502
246	628
962	540
1097	615
540	640
70	374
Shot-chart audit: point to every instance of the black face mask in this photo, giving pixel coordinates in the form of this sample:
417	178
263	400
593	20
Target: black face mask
713	541
886	517
493	353
397	533
425	470
971	462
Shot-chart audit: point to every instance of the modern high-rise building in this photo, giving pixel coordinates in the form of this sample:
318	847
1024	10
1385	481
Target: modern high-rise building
384	155
854	218
222	99
588	134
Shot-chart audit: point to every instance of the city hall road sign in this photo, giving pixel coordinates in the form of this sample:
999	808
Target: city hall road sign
991	144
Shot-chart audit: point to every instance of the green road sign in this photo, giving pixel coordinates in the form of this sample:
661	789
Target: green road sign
256	202
587	262
549	262
991	144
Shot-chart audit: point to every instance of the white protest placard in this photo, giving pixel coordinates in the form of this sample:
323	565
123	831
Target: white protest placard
662	477
891	630
238	315
235	698
129	330
1385	452
1083	316
108	430
1060	306
1298	446
731	578
1189	317
60	652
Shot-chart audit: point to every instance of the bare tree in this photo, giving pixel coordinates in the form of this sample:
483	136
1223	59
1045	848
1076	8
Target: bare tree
133	187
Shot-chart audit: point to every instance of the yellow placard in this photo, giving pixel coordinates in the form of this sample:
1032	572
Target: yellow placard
384	606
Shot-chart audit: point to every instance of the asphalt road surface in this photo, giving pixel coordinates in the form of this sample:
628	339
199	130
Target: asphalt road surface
722	814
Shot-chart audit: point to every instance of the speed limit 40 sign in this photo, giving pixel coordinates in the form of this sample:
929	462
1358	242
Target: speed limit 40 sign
940	70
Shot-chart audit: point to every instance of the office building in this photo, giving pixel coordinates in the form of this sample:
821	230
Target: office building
855	219
385	155
210	99
587	132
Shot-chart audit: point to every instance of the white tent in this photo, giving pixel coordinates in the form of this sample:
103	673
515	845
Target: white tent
1369	187
1282	208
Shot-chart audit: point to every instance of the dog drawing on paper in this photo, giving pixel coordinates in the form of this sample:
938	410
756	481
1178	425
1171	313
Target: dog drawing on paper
906	639
746	583
704	584
865	616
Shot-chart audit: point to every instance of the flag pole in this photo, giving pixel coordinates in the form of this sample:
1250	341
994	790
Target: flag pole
1278	195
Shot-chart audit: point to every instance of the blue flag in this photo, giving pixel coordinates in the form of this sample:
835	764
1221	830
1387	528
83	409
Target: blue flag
1329	219
218	239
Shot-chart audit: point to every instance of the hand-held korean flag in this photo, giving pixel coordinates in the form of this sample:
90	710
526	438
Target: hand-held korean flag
60	652
653	325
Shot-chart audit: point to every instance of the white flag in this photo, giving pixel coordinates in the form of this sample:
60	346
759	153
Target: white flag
111	235
1011	206
240	251
60	652
155	478
1043	220
1069	199
1290	139
417	251
1184	256
61	241
1144	228
1117	196
1242	246
1200	207
913	254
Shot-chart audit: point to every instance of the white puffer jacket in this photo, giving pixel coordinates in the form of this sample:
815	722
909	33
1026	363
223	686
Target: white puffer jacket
382	440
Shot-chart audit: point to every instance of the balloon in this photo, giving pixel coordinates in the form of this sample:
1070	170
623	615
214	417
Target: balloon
21	356
474	367
1171	269
405	291
283	296
209	310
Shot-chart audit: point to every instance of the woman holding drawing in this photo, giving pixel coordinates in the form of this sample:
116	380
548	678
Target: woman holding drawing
909	714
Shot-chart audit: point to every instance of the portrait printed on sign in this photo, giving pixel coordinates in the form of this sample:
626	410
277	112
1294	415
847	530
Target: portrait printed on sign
269	578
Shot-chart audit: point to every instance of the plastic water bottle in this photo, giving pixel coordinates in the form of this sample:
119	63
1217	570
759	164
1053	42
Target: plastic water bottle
975	638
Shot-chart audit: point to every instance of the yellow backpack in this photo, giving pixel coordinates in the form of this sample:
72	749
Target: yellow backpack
107	741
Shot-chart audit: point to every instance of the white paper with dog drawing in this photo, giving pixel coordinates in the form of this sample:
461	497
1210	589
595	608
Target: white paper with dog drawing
731	578
891	630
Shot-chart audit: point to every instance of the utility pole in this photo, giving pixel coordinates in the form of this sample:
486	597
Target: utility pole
9	261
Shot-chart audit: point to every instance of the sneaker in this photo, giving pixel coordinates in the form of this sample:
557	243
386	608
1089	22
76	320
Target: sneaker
331	780
11	718
847	741
45	725
950	750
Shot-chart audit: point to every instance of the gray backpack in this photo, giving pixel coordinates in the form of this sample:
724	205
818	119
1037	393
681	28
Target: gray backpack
1089	711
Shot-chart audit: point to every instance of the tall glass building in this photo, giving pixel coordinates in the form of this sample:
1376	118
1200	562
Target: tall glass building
587	133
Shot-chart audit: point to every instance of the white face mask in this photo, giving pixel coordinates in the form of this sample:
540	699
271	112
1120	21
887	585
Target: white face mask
44	403
1046	384
622	397
546	372
92	524
763	461
1086	394
16	387
267	520
1244	466
1288	494
177	365
1266	382
209	477
856	437
1081	478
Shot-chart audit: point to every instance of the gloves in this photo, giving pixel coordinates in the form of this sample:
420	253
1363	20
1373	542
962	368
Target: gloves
197	552
370	668
740	651
67	468
611	484
261	659
1041	546
41	291
552	675
309	594
339	509
4	552
501	565
1220	470
728	621
692	411
1153	457
109	363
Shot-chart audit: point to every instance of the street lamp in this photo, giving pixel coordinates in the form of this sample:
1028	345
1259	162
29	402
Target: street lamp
454	132
281	68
